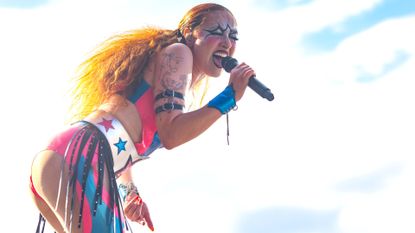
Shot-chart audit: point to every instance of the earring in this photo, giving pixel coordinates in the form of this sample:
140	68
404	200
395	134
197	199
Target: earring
180	37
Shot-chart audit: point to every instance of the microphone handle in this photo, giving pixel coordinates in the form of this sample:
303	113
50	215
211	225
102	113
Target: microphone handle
260	88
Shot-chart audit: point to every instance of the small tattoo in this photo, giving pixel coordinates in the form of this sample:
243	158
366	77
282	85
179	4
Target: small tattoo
169	67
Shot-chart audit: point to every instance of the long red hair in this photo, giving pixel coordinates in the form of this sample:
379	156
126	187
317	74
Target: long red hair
117	65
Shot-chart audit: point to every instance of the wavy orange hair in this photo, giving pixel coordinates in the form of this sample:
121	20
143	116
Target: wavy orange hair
118	64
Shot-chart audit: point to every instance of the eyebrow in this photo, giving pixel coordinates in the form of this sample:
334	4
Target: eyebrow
232	31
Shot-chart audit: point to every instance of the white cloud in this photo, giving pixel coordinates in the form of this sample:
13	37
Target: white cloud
390	210
290	24
372	49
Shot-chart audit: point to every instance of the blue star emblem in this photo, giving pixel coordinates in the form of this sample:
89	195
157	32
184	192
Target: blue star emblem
120	145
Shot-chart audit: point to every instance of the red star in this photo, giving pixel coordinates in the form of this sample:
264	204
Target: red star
107	124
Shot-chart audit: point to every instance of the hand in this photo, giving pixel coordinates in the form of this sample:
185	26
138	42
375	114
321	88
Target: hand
239	79
136	210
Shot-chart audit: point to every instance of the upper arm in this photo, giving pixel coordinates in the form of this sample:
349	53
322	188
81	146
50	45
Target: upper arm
175	68
174	74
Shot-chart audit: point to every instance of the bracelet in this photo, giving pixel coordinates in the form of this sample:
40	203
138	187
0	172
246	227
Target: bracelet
126	189
225	101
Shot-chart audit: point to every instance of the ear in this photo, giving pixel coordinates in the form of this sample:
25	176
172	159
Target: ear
188	36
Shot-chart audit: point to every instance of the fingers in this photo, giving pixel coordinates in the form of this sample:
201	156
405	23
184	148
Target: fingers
244	71
240	75
245	66
147	218
131	204
248	72
239	79
133	208
136	210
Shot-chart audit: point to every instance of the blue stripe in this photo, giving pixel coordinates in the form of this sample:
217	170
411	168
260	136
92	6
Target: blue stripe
101	221
141	89
155	144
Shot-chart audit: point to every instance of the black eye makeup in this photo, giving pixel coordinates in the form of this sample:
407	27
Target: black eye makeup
218	31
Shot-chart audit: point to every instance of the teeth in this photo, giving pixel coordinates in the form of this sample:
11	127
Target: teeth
220	54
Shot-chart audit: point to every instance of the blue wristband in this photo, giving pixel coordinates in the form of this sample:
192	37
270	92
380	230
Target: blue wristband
225	101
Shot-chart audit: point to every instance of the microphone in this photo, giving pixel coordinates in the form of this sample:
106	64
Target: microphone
228	63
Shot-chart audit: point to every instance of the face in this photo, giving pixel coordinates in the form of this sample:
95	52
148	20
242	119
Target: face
213	39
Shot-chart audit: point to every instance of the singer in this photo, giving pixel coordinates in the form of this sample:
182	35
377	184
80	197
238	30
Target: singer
141	90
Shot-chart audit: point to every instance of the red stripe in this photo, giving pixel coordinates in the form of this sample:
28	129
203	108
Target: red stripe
144	107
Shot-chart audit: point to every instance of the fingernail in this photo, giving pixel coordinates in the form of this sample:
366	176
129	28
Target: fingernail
136	198
151	228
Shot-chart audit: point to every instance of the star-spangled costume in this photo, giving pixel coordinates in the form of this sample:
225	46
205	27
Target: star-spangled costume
98	145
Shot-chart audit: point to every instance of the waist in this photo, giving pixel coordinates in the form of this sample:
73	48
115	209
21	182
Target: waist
122	146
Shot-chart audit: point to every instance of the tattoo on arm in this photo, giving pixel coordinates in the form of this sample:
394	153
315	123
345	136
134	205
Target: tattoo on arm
169	66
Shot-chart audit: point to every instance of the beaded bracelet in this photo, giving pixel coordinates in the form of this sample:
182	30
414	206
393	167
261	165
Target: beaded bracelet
127	189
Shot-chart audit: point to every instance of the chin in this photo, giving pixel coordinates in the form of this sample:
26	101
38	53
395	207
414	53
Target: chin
214	74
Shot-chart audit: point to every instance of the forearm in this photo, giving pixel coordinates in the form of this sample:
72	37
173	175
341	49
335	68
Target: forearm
126	185
126	176
187	126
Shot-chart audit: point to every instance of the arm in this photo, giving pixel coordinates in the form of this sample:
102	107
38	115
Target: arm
134	207
174	126
186	126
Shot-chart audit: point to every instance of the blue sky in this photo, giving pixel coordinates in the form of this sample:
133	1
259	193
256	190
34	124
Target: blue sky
22	3
328	38
333	153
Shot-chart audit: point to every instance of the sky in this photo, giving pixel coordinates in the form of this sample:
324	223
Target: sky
333	153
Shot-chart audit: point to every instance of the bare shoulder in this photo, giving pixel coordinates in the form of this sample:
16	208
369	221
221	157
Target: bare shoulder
175	63
178	49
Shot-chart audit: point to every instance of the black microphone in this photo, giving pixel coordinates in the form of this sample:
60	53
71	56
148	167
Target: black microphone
228	63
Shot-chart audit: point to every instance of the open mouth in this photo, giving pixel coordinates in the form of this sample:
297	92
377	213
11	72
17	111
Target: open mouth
217	58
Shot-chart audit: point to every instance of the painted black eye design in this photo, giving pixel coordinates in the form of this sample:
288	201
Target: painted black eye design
218	31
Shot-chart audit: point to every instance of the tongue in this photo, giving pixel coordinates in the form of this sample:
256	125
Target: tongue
217	60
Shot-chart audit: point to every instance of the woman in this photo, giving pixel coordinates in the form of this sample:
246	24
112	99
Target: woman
130	97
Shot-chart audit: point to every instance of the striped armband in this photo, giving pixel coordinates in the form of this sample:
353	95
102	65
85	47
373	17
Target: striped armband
169	93
168	107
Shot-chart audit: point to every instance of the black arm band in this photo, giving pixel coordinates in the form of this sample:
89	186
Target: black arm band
169	106
169	93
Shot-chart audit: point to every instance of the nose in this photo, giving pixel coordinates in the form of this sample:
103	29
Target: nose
226	42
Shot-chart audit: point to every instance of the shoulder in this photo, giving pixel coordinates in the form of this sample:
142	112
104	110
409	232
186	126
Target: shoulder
177	57
178	49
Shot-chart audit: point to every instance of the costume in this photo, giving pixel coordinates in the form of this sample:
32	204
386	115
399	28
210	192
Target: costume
98	145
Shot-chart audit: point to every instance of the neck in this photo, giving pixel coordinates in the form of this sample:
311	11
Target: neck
197	76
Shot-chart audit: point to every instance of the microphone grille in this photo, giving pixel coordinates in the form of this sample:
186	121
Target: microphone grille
228	63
